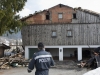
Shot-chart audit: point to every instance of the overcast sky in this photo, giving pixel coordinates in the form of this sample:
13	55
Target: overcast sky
37	5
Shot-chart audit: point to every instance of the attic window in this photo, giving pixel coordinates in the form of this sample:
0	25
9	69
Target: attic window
47	15
74	16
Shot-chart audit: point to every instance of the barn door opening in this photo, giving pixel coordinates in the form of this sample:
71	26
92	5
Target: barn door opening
86	53
69	53
54	52
32	51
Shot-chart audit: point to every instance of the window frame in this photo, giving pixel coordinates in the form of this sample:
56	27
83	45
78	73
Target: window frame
47	14
59	16
69	33
53	35
74	14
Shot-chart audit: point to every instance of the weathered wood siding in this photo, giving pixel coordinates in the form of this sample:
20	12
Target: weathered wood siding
82	34
86	17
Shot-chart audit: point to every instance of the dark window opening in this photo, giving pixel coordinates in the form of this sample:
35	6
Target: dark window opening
74	16
47	17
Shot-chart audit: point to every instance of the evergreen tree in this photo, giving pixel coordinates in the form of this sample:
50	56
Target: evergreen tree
9	20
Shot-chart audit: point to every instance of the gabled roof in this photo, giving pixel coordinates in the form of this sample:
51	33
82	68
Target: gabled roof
79	8
30	15
62	5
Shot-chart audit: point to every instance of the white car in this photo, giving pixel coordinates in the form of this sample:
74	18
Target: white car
93	72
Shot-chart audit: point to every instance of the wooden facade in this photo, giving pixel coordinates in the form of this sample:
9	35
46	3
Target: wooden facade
82	34
86	16
84	25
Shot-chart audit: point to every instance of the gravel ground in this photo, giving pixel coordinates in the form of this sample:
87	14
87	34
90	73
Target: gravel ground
60	68
52	71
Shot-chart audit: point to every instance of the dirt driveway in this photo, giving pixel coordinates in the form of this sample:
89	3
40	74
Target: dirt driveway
53	71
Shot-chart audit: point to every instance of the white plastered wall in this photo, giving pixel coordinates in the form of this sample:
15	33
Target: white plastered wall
78	47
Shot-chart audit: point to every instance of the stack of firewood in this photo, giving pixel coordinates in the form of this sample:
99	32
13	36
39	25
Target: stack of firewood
13	61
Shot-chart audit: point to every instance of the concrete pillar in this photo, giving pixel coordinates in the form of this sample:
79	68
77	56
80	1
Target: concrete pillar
79	52
26	52
60	53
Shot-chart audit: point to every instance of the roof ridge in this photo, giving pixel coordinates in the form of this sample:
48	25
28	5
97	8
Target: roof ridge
87	10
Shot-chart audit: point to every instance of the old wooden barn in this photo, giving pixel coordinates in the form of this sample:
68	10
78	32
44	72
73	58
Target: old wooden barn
68	33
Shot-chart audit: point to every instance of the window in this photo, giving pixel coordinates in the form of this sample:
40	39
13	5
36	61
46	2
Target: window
60	15
69	33
54	34
74	16
47	17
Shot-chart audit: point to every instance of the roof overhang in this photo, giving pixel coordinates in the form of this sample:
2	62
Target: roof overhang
4	46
